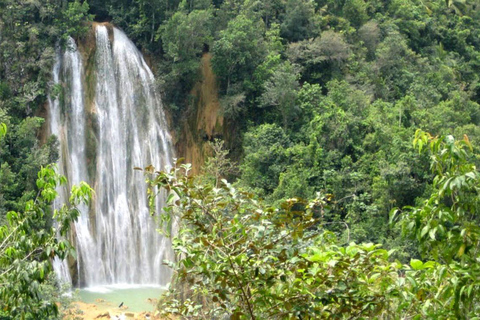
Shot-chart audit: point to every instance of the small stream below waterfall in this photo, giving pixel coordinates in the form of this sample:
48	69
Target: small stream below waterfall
135	298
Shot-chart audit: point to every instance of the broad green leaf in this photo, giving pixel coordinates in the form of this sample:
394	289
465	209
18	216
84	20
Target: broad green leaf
416	264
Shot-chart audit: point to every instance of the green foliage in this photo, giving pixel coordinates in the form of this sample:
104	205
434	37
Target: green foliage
29	32
322	56
184	37
297	23
240	258
140	19
281	92
246	260
446	225
396	75
265	158
243	259
237	52
218	166
3	130
22	157
356	12
28	244
75	20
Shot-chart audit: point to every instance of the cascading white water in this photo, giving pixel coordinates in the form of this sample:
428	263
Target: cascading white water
116	239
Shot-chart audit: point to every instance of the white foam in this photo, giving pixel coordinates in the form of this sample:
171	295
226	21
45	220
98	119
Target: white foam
121	286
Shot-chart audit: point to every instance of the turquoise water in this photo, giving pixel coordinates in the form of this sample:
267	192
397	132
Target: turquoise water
136	298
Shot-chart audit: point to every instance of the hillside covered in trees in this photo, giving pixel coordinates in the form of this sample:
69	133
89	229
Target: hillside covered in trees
321	100
321	96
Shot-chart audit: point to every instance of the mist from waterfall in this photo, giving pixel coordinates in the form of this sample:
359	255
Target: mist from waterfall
123	127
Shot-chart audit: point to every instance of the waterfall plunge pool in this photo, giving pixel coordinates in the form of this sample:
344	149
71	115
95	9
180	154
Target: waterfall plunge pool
137	298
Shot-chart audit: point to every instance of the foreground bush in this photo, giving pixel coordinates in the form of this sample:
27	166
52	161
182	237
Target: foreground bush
240	259
29	243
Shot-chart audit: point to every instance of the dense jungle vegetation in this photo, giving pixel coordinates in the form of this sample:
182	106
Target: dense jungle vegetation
330	210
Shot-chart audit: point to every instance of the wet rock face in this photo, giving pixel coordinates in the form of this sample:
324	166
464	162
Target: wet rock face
73	269
207	122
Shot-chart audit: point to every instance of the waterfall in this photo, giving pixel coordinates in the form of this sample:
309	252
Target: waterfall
101	141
